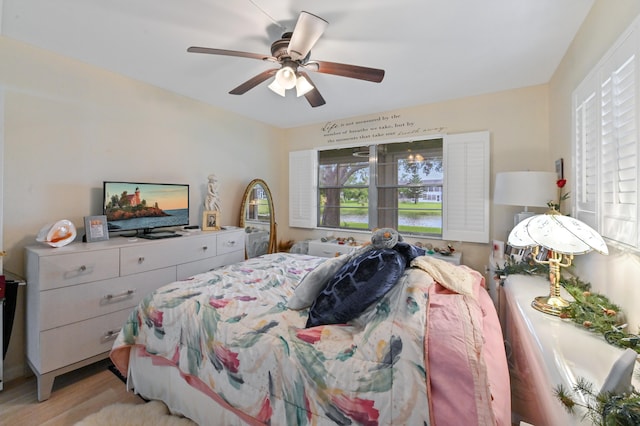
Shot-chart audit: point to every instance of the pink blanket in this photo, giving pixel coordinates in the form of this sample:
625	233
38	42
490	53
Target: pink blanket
474	366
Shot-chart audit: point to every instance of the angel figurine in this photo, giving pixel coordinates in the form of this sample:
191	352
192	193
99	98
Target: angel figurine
212	202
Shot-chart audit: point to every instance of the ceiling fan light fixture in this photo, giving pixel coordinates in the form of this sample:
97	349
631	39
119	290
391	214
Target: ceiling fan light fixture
303	86
275	87
286	77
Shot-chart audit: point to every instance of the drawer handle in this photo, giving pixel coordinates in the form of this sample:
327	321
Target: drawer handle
125	293
140	259
110	335
83	268
231	243
205	248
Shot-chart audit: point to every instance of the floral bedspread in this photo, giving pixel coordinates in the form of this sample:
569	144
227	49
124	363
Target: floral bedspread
230	330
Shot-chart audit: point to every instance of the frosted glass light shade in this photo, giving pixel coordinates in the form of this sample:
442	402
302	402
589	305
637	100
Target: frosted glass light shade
286	77
562	234
274	86
303	86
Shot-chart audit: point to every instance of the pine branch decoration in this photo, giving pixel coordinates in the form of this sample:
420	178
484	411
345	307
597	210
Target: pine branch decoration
590	310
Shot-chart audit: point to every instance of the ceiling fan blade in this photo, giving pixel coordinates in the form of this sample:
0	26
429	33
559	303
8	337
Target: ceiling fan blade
195	49
308	30
313	96
253	82
345	70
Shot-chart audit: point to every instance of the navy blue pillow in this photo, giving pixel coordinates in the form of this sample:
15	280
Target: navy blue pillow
357	284
409	251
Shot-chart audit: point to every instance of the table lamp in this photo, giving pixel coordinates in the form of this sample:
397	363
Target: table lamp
563	237
526	189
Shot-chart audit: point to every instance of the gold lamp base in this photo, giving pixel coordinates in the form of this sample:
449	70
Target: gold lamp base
550	304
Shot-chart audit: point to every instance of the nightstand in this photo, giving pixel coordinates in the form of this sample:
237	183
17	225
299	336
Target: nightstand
330	248
494	284
455	257
545	351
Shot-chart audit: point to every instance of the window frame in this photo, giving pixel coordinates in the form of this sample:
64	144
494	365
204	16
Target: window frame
378	171
466	185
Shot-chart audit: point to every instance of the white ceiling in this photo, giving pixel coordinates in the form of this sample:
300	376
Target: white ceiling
431	50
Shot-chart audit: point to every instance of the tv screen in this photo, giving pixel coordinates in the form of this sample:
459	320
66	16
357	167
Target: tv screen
139	206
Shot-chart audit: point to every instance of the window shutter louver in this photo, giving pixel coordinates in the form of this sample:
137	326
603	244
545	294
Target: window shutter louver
303	182
619	160
465	210
586	158
606	143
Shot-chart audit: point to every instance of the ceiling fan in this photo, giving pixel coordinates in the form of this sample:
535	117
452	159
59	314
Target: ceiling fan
292	52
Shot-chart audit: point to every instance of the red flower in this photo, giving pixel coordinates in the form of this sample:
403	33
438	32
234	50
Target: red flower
561	183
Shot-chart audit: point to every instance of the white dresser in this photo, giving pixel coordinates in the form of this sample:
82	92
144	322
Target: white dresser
80	295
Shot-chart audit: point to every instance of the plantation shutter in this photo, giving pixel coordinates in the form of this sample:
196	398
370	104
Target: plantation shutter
606	142
587	129
465	206
303	183
619	146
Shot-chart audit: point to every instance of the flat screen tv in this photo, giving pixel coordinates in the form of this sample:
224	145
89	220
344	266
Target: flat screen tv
143	207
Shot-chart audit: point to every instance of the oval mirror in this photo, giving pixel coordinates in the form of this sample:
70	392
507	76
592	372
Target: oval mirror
257	217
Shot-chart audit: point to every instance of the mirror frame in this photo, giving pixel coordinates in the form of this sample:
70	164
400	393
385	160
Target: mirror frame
272	217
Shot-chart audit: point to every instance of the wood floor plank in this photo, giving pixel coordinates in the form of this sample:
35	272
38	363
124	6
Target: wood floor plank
75	395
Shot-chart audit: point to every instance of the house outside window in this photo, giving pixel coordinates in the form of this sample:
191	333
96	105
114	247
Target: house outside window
405	178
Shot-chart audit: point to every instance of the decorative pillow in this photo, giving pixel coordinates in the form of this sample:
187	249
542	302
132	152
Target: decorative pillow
359	283
385	238
313	283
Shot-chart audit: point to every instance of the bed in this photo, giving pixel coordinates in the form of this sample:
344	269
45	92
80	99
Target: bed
226	347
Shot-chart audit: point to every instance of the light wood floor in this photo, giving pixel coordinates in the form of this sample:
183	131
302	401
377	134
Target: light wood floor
75	395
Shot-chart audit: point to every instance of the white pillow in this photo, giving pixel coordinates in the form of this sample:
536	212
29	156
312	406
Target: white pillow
312	284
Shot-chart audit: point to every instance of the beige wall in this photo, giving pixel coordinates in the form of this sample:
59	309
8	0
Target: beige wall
517	121
69	126
614	275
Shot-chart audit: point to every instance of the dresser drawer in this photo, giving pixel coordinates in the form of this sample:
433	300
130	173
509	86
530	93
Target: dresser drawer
230	241
146	257
77	303
329	249
78	341
190	269
77	268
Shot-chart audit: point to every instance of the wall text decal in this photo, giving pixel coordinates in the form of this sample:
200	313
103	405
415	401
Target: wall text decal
378	127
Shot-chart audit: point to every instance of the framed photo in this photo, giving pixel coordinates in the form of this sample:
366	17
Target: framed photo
96	228
211	220
560	168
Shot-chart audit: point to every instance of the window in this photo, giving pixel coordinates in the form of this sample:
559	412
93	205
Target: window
606	142
436	187
407	186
